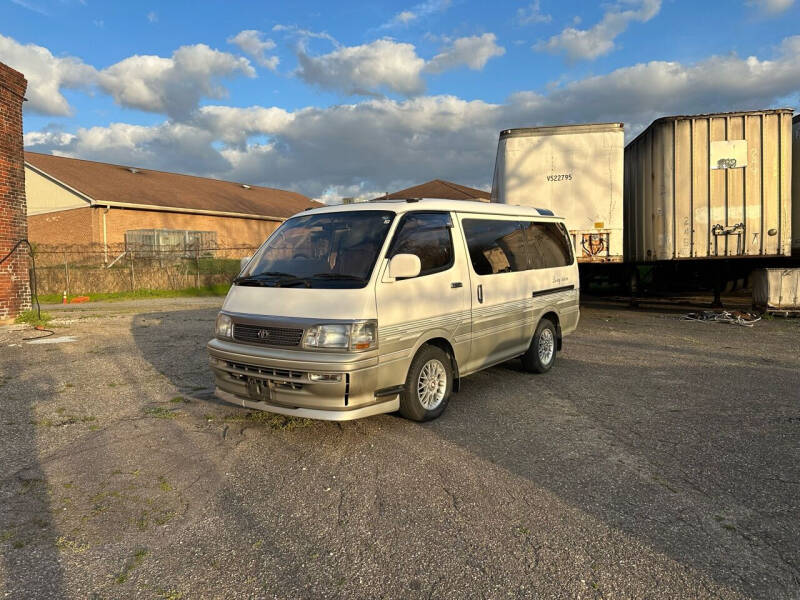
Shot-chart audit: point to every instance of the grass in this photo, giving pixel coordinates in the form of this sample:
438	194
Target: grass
271	420
138	558
219	289
161	412
71	545
30	317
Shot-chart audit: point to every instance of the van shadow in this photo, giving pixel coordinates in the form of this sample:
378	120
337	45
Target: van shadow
684	458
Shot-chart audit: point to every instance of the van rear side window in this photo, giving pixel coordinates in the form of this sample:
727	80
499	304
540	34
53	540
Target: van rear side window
497	246
548	245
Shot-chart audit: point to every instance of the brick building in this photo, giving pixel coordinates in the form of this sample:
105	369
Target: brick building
81	202
15	294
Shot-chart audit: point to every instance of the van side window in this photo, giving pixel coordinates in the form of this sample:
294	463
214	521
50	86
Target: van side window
548	245
495	246
428	236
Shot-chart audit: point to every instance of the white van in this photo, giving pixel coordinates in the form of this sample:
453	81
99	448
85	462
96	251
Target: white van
351	311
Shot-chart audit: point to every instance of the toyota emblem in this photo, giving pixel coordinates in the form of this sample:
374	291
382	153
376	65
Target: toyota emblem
263	334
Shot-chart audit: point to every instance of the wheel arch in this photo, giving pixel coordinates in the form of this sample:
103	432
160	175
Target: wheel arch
440	341
552	316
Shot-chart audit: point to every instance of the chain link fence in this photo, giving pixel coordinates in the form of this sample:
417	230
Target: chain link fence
79	270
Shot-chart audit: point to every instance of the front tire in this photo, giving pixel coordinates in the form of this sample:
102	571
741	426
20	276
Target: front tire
428	385
541	353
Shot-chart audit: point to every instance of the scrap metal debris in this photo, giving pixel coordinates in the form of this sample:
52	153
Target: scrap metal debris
734	317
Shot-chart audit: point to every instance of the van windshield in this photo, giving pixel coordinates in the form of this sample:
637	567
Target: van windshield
331	250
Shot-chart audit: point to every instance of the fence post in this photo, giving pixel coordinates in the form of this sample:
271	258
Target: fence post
197	267
133	277
66	272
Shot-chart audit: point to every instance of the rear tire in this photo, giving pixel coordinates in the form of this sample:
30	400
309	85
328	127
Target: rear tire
428	385
541	353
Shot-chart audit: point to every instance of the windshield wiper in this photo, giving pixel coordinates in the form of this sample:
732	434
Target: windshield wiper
337	276
270	279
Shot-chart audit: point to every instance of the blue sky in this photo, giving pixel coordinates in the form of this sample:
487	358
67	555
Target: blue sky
335	99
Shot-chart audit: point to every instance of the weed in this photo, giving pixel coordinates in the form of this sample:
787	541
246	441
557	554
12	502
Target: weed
729	527
17	544
30	317
6	535
71	545
258	544
161	412
523	531
94	427
138	558
271	420
170	594
163	484
178	400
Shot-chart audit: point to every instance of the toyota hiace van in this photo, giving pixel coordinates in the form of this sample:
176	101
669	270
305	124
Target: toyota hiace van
355	310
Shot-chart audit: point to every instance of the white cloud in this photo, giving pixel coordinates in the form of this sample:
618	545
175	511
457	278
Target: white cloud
389	66
474	52
532	14
771	7
384	145
580	44
152	16
366	69
417	12
305	33
47	75
32	7
250	42
175	85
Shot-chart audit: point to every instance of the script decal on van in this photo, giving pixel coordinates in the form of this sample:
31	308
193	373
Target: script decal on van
562	177
560	279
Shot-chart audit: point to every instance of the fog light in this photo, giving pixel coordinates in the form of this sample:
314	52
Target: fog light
325	377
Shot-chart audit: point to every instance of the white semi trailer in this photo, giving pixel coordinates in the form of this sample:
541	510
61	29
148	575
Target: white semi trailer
576	171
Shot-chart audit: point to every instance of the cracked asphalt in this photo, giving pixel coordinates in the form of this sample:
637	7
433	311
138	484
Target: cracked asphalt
660	458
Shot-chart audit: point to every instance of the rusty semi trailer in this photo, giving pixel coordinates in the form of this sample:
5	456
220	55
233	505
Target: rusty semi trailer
574	171
710	186
708	197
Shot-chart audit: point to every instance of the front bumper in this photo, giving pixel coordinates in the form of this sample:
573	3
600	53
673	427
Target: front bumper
278	380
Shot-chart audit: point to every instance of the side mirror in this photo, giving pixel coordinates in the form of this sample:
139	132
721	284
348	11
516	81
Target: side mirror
243	262
403	266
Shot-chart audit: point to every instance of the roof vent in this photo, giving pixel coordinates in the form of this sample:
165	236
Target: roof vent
133	170
245	186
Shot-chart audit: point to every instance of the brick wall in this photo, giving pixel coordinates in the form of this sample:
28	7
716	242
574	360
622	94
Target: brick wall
231	231
15	294
71	227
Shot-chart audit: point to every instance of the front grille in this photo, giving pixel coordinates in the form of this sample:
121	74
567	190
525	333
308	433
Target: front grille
266	372
267	335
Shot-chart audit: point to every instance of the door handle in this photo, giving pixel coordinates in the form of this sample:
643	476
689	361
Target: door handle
456	284
480	294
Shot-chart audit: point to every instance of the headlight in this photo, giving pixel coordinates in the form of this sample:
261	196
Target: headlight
224	327
343	336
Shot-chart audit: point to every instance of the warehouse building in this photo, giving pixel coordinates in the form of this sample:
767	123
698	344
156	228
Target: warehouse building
439	188
81	202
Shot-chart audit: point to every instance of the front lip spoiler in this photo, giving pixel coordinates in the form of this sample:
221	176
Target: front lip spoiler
313	413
